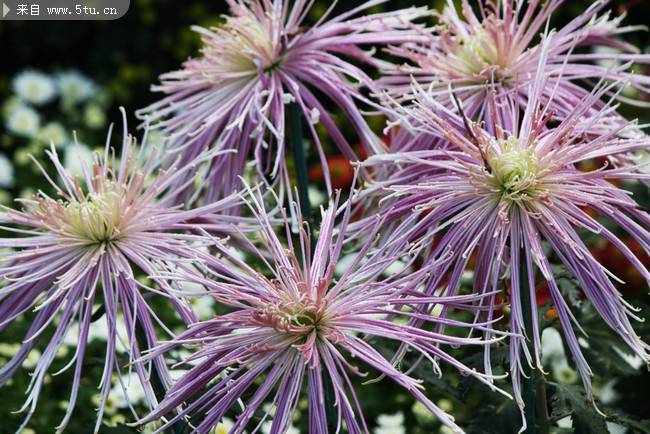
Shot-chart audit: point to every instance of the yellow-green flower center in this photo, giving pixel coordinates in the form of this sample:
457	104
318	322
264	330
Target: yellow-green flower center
514	170
240	47
97	219
298	317
478	51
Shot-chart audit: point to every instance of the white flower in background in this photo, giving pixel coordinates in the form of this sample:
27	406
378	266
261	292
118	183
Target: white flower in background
133	389
203	307
467	277
563	373
32	359
157	138
9	350
27	192
94	116
395	267
266	428
34	87
609	53
6	172
96	400
316	197
422	413
552	347
390	424
99	331
565	422
632	359
445	405
182	355
643	160
346	261
343	264
75	153
224	426
74	87
115	420
176	374
10	105
615	428
53	132
607	393
553	355
23	121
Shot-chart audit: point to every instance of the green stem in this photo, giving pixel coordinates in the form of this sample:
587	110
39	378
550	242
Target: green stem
295	134
542	406
156	383
533	384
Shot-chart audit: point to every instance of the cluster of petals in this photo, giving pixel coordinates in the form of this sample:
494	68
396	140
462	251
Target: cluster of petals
237	94
498	49
514	196
294	328
91	246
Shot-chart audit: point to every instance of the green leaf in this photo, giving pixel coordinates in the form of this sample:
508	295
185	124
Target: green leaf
636	425
570	400
120	429
567	284
601	355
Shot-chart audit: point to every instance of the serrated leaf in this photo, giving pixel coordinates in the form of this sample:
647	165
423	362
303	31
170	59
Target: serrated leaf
636	425
567	284
600	354
570	400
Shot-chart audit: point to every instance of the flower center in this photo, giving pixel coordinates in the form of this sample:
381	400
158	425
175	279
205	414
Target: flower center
240	48
515	170
97	219
483	52
297	317
477	51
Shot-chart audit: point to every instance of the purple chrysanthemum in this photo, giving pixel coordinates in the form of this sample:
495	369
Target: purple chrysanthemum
235	95
499	50
91	245
514	198
295	327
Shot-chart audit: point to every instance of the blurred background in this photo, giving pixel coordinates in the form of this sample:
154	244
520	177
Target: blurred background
84	71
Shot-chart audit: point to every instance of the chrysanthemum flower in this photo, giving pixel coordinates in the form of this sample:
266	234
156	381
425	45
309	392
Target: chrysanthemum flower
34	87
75	87
235	95
293	328
89	246
499	49
7	169
513	201
23	121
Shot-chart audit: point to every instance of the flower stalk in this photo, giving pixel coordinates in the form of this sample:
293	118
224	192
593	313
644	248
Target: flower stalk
296	139
157	383
295	134
533	385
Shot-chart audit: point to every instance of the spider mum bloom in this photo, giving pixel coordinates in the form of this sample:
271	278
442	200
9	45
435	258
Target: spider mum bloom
90	246
514	200
235	96
295	328
499	50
